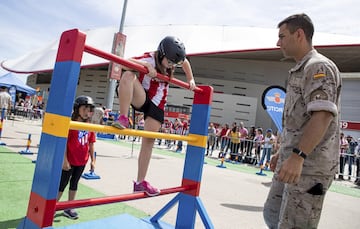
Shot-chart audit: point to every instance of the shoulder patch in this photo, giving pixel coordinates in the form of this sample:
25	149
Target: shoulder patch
319	75
318	95
320	72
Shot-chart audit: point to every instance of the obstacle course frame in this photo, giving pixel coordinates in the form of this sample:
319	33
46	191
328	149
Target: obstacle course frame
57	122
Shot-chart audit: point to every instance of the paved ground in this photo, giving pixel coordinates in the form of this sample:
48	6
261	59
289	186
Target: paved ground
232	199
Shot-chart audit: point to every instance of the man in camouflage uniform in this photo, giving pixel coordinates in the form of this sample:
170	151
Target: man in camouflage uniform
307	160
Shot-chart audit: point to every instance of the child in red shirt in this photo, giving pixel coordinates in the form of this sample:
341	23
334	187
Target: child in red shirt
80	145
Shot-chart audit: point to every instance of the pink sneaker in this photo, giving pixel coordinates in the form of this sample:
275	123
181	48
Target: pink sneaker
121	123
144	186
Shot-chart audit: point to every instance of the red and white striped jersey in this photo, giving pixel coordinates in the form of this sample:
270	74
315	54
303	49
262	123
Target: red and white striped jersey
156	89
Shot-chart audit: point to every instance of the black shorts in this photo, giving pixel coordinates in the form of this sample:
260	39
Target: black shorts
151	110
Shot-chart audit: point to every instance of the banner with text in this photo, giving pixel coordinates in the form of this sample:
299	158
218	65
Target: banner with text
273	100
118	50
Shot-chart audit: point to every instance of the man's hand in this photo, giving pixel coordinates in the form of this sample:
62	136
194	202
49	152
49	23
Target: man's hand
290	170
273	161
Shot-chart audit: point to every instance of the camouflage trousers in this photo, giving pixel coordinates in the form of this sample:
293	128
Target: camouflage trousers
295	206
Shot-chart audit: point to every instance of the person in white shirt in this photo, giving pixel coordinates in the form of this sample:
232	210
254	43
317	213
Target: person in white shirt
5	100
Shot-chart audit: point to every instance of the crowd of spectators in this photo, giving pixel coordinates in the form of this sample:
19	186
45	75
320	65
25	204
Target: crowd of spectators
177	126
29	109
238	144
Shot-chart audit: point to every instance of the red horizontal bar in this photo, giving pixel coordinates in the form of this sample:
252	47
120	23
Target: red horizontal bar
115	199
137	67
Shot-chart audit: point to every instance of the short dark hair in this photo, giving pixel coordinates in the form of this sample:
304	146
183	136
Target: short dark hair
299	21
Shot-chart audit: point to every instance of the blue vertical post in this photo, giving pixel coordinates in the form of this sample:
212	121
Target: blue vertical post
189	201
41	208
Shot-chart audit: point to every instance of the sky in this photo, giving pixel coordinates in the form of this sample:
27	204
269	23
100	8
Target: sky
28	25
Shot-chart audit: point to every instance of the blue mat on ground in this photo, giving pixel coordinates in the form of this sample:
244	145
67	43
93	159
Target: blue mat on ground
90	176
120	221
221	166
261	173
26	152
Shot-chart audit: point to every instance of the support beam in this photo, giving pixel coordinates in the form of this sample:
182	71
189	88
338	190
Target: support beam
115	199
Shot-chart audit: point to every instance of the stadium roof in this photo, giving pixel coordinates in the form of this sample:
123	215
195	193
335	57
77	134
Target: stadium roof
226	42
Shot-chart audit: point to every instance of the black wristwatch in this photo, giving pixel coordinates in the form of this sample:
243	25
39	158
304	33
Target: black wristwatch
300	153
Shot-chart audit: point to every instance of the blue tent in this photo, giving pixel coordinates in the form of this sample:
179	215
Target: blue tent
10	79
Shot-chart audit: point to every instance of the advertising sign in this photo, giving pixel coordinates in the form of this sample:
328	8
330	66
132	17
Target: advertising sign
349	125
12	92
118	50
273	100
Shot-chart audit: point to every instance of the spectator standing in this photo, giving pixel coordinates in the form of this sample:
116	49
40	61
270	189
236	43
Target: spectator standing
106	114
259	137
178	127
163	129
183	131
243	135
250	145
97	117
185	127
357	179
5	100
210	139
350	156
140	124
234	143
268	144
223	139
169	127
228	135
344	145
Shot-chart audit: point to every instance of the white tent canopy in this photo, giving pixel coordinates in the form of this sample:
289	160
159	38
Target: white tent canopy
197	39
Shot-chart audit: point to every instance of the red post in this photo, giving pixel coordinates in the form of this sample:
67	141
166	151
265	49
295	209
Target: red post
119	198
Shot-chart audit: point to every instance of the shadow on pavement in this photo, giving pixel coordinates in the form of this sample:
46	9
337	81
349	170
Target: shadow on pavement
266	184
244	207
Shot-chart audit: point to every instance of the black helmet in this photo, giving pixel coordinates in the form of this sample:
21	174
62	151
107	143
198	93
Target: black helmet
83	100
173	49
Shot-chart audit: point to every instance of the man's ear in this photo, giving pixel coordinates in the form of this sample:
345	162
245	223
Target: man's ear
300	34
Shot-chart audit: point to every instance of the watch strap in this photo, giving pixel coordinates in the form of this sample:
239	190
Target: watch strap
300	153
